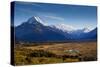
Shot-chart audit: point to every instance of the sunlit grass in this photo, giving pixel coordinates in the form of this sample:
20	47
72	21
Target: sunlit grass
57	53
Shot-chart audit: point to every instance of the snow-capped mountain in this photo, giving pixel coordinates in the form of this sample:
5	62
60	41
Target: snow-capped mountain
39	19
69	29
34	30
63	27
34	19
86	30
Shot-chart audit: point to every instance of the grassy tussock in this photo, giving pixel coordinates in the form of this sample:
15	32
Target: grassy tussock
46	53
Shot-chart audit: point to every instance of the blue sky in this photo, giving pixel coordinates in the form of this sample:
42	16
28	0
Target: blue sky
74	15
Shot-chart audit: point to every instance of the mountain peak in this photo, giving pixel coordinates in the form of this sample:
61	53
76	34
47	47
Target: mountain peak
32	19
35	20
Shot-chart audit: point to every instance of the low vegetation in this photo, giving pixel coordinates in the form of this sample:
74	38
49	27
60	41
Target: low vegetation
55	53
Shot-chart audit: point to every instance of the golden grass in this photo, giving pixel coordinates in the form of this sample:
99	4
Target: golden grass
87	52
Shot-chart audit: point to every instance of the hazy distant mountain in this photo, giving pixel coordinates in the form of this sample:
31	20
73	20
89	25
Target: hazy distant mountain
75	34
34	30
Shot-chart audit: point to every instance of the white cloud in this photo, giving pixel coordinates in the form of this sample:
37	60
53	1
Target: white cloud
55	18
36	5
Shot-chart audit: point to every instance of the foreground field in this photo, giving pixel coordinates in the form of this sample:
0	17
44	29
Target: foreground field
45	53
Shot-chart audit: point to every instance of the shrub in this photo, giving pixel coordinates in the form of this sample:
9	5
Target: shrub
41	53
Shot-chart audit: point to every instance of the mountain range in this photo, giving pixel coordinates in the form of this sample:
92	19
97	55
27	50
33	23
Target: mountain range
33	30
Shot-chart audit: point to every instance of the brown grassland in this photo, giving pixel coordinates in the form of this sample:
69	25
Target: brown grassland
47	53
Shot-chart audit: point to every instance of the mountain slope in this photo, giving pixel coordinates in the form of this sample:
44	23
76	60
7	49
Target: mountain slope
34	30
